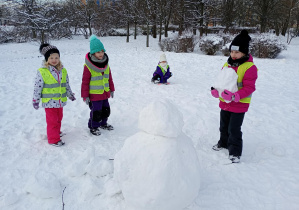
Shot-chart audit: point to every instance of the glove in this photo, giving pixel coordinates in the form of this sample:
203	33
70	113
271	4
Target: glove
214	92
229	96
72	97
112	94
86	100
36	106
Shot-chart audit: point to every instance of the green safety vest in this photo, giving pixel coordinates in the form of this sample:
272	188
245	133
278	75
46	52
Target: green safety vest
99	82
163	71
52	89
241	72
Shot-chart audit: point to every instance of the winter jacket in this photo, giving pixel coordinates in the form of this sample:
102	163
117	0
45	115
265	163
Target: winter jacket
39	84
248	88
164	77
86	80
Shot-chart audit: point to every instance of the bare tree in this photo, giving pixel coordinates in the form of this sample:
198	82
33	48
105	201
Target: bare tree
41	17
228	14
147	10
289	6
264	10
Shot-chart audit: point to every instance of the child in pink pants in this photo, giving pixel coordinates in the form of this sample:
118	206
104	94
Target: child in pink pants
52	88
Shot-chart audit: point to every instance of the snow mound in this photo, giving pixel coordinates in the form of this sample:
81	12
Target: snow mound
99	167
44	185
10	198
161	118
154	171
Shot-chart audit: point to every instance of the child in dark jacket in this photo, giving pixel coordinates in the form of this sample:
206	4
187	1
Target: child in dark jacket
234	105
162	73
97	86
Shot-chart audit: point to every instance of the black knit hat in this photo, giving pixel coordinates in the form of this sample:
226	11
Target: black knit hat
241	42
47	49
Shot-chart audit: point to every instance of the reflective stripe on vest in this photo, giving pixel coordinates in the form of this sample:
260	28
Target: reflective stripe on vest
163	71
241	72
99	82
52	89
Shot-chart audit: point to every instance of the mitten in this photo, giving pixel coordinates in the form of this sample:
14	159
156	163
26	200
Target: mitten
112	94
36	106
72	97
86	100
214	92
229	96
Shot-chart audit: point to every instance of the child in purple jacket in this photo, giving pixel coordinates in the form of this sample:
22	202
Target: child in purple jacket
232	113
162	73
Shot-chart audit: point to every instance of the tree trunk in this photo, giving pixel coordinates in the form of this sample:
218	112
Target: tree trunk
166	29
286	23
135	29
34	34
89	28
160	31
201	19
128	30
154	30
42	37
147	34
181	20
167	20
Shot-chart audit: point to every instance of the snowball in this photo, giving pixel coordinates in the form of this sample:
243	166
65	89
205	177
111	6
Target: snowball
155	172
226	80
161	118
44	185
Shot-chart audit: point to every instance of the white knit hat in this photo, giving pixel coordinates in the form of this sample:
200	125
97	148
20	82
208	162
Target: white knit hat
163	57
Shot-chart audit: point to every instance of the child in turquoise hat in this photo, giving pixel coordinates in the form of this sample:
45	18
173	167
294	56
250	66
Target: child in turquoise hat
97	86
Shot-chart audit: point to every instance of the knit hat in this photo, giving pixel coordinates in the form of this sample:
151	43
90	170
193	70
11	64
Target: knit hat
95	45
163	57
47	49
241	42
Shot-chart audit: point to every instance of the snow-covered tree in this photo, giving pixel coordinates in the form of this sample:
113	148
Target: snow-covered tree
42	18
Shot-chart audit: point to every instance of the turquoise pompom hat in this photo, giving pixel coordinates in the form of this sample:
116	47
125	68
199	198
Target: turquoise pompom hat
95	45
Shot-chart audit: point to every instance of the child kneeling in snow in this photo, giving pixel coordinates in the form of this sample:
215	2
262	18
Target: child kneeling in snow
97	86
234	104
162	73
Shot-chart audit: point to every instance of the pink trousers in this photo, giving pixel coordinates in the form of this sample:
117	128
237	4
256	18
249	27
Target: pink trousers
53	118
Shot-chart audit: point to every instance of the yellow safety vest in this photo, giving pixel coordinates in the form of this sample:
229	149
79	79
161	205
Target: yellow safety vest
52	89
241	72
99	82
163	71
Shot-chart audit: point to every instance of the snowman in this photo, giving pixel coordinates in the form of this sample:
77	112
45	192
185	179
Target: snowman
158	168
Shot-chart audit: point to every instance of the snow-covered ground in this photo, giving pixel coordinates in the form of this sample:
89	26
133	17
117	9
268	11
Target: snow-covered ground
34	175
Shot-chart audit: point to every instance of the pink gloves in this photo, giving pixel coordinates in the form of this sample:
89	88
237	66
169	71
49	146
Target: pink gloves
229	96
214	92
